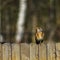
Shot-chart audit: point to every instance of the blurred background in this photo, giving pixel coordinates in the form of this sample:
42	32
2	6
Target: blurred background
19	19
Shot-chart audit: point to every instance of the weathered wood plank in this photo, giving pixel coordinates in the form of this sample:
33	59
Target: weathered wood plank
33	51
42	52
0	51
51	51
57	51
6	51
9	52
25	51
16	51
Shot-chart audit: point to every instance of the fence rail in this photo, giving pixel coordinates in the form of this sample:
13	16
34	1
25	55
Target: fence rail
31	51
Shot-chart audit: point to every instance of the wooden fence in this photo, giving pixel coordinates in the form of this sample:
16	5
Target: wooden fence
31	51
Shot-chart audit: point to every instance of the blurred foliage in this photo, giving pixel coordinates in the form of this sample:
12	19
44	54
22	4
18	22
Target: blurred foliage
41	8
9	15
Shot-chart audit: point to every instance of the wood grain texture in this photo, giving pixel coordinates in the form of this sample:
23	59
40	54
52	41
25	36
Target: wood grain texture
51	51
42	52
25	51
0	51
6	51
58	51
16	51
33	51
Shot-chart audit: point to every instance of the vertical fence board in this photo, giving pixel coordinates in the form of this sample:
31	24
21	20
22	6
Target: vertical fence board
15	51
37	52
42	52
33	51
0	52
51	51
6	51
25	51
9	52
58	51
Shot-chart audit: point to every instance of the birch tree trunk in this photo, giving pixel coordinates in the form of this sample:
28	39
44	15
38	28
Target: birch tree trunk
21	20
